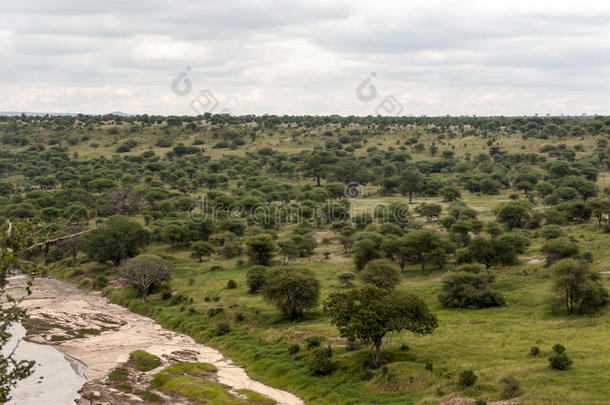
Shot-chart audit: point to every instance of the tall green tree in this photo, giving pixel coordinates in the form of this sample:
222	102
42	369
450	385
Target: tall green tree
368	314
119	238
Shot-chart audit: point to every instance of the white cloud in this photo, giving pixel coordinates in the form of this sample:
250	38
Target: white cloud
307	57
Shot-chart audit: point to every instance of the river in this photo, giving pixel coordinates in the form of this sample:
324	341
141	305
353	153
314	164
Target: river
78	356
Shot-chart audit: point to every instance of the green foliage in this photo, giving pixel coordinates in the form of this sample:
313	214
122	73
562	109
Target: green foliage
369	313
200	249
320	361
467	378
577	288
347	278
116	240
558	249
381	273
292	290
469	289
260	249
145	270
510	386
256	279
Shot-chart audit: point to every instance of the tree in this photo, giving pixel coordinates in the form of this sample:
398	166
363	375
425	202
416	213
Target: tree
288	249
577	287
292	290
365	250
451	193
422	246
260	249
315	165
469	287
411	181
514	214
557	249
116	240
381	273
369	313
143	271
200	249
256	279
122	201
73	244
173	233
429	210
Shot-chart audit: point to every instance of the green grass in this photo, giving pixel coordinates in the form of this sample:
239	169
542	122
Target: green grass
494	342
189	380
144	361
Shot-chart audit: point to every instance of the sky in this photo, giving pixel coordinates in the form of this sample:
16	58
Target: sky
347	57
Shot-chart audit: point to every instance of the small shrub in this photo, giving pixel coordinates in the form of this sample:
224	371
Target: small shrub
560	361
99	282
222	328
255	279
480	402
320	363
534	351
559	348
212	312
231	285
429	367
347	279
467	378
294	348
510	386
314	341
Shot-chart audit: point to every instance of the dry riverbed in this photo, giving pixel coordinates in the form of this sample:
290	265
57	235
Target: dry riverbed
101	335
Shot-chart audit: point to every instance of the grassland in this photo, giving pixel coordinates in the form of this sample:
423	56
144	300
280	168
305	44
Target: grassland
493	342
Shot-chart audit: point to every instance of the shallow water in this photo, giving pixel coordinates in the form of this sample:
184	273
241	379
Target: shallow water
56	378
98	354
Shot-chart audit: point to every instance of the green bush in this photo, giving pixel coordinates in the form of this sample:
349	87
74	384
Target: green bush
222	328
294	348
534	351
510	386
320	361
468	289
314	341
231	285
255	279
560	361
467	378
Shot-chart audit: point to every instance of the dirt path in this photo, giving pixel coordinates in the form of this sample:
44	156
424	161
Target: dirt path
85	326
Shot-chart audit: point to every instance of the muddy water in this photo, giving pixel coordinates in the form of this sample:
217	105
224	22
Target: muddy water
123	332
56	378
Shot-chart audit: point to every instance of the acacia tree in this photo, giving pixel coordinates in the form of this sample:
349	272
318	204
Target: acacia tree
73	244
368	314
381	273
423	246
200	249
578	287
411	181
292	290
143	271
118	239
260	249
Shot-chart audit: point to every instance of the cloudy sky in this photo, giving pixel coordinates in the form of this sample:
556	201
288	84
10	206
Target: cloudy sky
306	57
